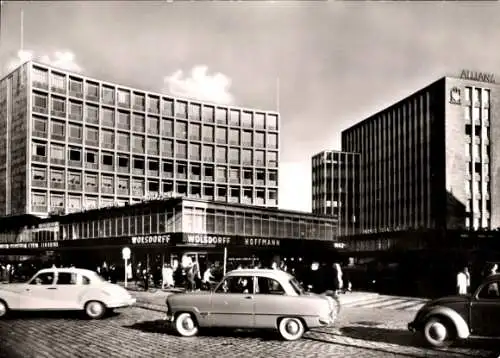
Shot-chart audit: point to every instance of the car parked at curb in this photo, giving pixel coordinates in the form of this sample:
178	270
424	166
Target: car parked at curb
445	320
64	289
253	299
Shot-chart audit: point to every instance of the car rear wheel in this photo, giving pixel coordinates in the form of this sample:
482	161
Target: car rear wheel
439	332
291	328
95	309
186	325
3	309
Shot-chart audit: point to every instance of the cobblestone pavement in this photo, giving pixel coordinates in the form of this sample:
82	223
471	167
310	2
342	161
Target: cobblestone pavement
136	332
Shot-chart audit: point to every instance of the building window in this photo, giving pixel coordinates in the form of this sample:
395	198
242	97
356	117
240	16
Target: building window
221	154
75	111
57	154
208	113
167	127
108	95
39	202
56	201
259	120
153	125
40	103
272	140
153	104
123	120
39	127
138	144
92	91
167	147
246	139
194	111
272	177
259	158
194	151
247	176
181	130
246	157
138	124
477	97
75	133
194	132
39	177
108	139
74	203
139	101
153	144
486	98
91	182
74	181
40	78
123	164
138	166
180	109
123	186
124	98
272	159
107	184
123	142
259	140
40	151
57	179
234	118
246	119
272	122
273	197
208	153
168	107
221	174
75	156
181	150
234	136
208	133
58	107
220	135
221	115
108	117
75	87
234	175
58	82
91	136
468	94
234	156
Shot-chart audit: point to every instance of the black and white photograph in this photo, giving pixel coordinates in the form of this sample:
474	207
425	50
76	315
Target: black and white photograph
249	178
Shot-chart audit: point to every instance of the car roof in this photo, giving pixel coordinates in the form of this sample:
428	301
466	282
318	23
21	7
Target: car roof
68	269
259	272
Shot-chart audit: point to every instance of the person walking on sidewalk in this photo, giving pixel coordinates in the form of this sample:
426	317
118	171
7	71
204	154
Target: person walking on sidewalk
463	281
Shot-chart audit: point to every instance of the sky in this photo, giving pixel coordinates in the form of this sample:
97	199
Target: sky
336	62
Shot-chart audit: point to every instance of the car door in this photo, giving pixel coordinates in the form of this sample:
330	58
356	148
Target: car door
485	311
232	303
270	301
40	292
68	290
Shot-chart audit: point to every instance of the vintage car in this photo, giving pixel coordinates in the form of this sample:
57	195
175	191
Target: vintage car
445	320
253	299
64	289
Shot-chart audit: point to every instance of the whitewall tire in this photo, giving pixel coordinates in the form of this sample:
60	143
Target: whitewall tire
291	329
186	325
95	309
438	332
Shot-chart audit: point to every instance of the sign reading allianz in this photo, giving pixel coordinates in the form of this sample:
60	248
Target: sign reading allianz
477	76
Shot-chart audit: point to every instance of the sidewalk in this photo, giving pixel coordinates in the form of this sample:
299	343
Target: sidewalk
155	301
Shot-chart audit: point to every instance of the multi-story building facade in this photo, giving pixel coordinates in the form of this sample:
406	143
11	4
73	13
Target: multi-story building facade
69	142
429	160
335	183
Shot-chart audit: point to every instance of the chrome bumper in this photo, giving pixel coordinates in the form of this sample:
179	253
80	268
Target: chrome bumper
122	303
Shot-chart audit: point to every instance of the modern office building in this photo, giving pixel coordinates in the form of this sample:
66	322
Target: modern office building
69	142
431	160
335	179
169	229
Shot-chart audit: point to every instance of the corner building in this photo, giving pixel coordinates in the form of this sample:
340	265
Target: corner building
429	161
70	143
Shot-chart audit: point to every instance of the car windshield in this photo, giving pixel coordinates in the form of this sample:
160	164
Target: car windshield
297	287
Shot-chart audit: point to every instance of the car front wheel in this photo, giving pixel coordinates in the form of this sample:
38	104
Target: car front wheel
186	325
95	309
291	329
439	332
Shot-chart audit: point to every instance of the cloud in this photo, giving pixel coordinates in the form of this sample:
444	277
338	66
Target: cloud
200	85
64	60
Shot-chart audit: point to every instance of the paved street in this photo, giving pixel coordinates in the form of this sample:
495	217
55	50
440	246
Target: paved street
136	332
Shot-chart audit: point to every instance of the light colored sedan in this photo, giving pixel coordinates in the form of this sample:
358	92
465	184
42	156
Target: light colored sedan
253	299
64	289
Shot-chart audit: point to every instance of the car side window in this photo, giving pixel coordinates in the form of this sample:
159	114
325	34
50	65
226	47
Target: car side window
45	278
269	286
236	284
85	280
66	278
490	291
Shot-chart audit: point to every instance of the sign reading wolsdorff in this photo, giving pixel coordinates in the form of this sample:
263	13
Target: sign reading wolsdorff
150	239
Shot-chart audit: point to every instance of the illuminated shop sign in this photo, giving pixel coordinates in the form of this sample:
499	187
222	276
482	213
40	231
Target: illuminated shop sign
261	242
477	76
150	239
207	239
30	245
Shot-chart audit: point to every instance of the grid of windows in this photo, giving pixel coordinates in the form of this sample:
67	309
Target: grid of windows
161	144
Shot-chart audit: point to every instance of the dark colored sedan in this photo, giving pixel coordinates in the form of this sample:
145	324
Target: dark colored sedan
445	320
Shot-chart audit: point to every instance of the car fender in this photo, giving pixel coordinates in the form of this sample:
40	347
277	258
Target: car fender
461	326
94	294
191	309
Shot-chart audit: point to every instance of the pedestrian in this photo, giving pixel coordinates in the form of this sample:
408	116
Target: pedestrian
145	278
463	281
207	278
338	281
